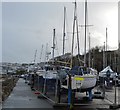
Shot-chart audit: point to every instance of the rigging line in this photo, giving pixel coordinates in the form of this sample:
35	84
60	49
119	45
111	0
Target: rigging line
77	29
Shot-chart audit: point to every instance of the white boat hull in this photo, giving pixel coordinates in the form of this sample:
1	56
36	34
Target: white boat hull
89	82
84	82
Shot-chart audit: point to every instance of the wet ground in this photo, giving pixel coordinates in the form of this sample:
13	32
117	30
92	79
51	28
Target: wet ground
22	97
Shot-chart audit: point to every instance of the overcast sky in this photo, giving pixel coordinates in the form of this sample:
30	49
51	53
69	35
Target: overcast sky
28	25
119	21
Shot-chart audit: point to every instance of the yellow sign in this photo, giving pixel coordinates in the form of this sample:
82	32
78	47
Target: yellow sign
79	78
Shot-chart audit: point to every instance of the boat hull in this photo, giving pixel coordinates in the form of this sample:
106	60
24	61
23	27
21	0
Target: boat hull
81	83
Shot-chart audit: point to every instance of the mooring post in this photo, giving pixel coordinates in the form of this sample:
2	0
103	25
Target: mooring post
70	100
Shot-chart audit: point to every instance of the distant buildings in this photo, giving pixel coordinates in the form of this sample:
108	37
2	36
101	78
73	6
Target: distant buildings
9	68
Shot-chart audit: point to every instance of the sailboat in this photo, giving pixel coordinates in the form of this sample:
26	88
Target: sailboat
83	78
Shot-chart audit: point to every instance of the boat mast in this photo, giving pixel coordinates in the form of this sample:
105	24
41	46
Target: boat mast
75	20
85	32
73	40
104	56
41	53
77	28
35	56
89	51
64	31
53	44
115	60
46	62
106	46
47	55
